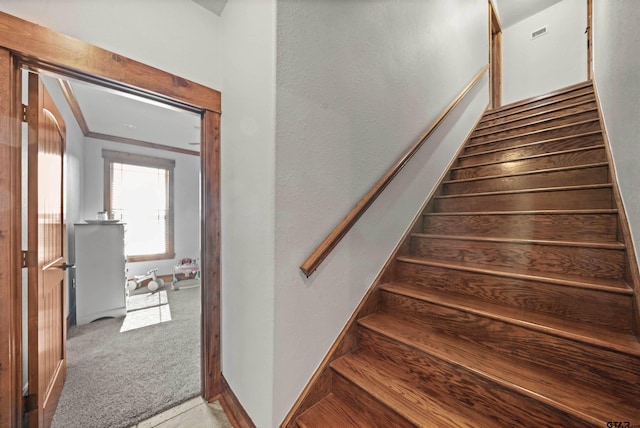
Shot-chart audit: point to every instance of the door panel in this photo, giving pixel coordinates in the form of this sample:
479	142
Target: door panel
46	237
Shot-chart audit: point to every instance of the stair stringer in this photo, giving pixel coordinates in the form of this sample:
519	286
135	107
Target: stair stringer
632	272
319	385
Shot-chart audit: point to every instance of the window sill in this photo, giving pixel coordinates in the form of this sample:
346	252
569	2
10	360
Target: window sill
151	257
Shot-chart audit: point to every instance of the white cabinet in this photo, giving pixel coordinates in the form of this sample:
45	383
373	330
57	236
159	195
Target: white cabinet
100	272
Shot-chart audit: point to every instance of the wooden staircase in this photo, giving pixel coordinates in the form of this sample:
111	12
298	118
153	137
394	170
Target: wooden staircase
509	303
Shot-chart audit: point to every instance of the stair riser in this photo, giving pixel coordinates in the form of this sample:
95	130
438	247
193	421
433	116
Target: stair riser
365	403
546	259
532	149
573	177
563	131
544	103
510	131
578	304
507	130
574	158
565	227
575	107
610	370
440	379
582	199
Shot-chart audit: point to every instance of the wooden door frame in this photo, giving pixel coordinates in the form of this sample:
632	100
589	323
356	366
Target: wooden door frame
495	58
23	43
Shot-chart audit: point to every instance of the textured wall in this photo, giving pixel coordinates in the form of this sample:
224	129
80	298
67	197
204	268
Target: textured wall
549	62
248	165
178	36
616	45
357	82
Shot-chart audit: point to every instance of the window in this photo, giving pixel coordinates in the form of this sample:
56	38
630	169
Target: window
139	191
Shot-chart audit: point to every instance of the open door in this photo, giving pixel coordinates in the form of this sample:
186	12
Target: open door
45	257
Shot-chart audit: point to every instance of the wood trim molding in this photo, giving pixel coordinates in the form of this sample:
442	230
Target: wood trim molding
237	415
320	383
72	100
336	235
10	246
589	39
632	273
51	50
27	45
210	245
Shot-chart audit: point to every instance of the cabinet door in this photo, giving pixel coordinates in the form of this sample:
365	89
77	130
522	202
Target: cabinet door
100	273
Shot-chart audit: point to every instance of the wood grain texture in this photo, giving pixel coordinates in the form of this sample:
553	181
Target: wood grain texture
210	245
590	226
553	177
464	389
564	158
632	272
537	135
530	256
10	246
508	153
558	198
568	107
591	405
561	300
540	100
328	244
512	302
55	50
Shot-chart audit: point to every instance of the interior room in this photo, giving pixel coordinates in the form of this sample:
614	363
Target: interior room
131	210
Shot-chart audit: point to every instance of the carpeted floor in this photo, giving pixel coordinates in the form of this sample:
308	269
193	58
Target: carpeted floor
117	379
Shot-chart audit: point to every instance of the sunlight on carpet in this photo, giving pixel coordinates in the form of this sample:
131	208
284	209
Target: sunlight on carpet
147	309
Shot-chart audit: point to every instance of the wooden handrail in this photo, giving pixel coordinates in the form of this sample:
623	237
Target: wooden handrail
323	250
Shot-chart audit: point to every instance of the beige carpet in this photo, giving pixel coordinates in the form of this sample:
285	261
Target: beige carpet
122	371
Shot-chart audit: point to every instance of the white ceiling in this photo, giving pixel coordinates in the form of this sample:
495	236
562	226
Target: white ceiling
114	113
512	11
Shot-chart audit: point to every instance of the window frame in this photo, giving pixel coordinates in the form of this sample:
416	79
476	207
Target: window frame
110	157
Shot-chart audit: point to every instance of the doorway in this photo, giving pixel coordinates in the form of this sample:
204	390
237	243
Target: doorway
135	349
27	45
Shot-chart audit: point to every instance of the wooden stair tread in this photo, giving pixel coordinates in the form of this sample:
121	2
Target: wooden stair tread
531	115
582	244
538	122
539	131
565	90
542	155
334	412
603	284
521	173
525	145
384	382
585	401
541	212
593	335
519	191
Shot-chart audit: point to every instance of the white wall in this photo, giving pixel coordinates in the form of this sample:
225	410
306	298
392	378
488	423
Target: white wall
357	82
186	181
616	43
248	165
549	62
178	36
